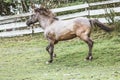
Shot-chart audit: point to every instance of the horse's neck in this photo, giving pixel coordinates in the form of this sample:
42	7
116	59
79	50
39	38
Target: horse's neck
46	22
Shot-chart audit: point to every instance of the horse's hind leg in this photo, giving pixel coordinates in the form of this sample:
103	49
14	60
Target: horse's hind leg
90	45
86	38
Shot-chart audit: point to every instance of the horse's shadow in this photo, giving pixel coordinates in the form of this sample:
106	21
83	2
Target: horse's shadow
72	59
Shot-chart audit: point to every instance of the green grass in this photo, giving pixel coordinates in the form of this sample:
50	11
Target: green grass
23	58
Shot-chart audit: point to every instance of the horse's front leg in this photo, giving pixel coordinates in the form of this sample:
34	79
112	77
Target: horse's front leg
50	49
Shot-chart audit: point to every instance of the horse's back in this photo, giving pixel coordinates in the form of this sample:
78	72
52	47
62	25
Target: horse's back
61	24
82	21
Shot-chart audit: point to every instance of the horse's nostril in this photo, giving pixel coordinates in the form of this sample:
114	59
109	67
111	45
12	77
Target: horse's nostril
28	23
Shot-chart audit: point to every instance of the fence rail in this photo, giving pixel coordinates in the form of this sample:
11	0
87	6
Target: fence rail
19	28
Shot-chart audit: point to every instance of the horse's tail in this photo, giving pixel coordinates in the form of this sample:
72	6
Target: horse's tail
101	25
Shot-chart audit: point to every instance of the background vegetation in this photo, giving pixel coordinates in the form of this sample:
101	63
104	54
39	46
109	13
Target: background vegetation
24	5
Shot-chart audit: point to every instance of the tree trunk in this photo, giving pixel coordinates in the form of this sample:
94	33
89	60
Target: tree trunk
1	7
24	5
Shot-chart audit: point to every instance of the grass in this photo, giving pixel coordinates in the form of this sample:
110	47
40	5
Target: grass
23	58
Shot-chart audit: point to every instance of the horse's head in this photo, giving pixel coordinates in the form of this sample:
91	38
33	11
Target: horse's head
39	13
33	19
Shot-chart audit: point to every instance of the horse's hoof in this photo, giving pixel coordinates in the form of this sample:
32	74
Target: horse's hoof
48	62
89	58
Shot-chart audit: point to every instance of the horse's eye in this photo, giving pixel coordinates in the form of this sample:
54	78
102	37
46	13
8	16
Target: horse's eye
33	15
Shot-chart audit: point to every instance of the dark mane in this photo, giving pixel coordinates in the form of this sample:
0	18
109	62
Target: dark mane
44	11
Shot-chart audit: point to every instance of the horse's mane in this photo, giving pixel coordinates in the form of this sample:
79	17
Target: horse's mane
44	11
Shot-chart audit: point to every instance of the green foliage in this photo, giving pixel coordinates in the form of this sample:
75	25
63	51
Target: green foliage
116	27
110	16
8	1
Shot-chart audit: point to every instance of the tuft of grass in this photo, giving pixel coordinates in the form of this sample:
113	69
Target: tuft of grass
23	58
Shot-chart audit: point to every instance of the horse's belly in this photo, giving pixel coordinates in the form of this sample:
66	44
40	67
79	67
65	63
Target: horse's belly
66	36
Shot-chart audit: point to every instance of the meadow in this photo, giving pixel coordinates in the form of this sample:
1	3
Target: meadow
23	58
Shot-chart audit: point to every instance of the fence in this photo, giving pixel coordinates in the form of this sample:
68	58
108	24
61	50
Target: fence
14	26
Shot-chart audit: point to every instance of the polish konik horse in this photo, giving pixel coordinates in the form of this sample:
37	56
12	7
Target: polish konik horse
56	30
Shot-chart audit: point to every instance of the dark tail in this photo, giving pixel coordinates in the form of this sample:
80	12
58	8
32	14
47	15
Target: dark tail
101	25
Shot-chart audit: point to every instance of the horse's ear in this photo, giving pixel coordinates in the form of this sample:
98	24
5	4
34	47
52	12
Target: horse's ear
42	6
33	5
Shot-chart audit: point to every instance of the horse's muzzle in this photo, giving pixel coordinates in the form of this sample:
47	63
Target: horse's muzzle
28	23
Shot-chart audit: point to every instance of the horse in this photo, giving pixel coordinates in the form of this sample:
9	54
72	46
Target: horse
56	30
